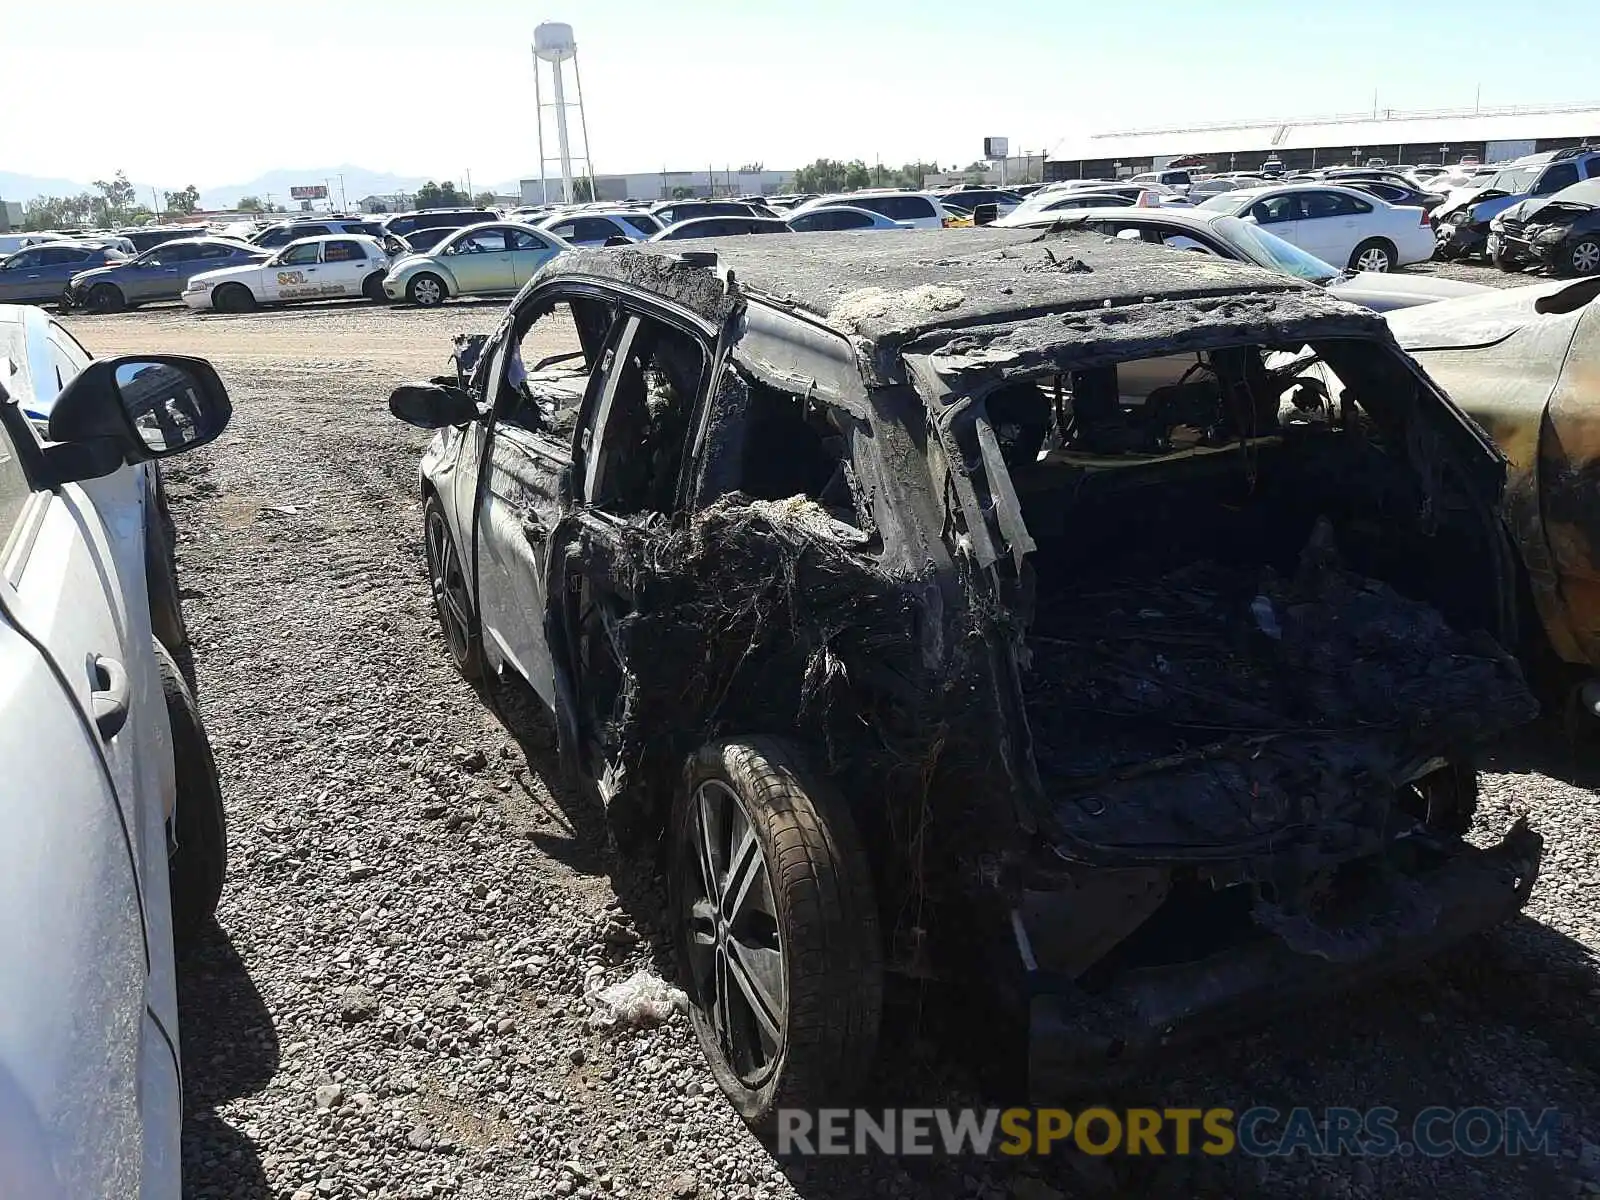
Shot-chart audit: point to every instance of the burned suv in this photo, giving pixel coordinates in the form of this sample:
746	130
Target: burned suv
1046	610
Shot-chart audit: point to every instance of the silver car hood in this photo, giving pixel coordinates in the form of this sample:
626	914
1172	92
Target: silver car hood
1382	291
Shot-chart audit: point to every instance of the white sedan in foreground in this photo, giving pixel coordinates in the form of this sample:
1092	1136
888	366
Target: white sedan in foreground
1337	224
314	268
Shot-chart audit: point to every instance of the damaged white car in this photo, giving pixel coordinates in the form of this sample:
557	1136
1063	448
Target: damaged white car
1028	609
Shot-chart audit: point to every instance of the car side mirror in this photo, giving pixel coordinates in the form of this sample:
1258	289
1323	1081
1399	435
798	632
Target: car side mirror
146	406
432	405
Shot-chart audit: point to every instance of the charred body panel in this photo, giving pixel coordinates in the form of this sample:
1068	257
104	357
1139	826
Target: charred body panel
1526	366
1107	587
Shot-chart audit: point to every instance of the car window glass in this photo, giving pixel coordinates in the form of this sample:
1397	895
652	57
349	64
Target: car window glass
597	229
646	226
634	458
56	256
342	252
216	250
301	256
1557	177
1275	209
1591	169
563	229
555	355
527	241
791	447
488	241
23	261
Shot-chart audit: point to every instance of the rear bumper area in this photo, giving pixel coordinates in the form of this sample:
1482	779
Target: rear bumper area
1078	1040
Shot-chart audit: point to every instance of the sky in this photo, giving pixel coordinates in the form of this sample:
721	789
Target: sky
218	92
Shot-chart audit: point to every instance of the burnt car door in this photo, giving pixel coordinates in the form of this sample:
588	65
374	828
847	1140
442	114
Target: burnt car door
541	369
628	471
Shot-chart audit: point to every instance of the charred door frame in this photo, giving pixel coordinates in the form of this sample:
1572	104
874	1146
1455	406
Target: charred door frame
580	522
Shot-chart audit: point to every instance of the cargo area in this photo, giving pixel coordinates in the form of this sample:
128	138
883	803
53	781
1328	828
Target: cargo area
1251	629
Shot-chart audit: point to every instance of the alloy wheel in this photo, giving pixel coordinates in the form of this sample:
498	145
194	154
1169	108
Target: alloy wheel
449	586
736	963
1373	259
427	292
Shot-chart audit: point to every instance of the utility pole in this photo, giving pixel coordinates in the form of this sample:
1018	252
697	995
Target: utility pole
344	205
155	202
469	185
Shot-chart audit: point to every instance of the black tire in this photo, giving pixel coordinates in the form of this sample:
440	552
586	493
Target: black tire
1506	262
452	598
426	290
199	862
161	579
1374	250
821	1029
1449	797
233	298
372	288
1581	256
105	298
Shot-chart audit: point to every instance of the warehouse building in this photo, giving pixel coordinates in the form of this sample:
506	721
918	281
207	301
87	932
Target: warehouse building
1439	135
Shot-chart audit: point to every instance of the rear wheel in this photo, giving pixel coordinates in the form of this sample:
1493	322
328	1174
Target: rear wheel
1582	257
372	288
1374	254
105	298
777	928
233	297
426	291
452	599
199	860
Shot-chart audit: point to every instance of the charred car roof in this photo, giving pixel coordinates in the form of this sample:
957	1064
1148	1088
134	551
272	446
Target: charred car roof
925	285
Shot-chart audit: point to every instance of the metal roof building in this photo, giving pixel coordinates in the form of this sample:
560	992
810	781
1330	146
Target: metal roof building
1397	136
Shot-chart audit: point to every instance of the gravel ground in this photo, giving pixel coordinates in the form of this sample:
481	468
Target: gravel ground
392	1004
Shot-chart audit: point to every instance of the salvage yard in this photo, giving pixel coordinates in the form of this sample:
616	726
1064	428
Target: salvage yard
394	1001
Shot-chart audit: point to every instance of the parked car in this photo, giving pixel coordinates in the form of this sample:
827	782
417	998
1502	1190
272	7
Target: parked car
1338	224
591	229
840	217
716	227
437	218
116	840
281	233
1522	362
10	243
144	237
316	268
1064	202
670	212
1561	233
949	613
1177	179
161	273
918	210
42	272
479	260
1402	195
1463	219
970	197
1243	241
418	241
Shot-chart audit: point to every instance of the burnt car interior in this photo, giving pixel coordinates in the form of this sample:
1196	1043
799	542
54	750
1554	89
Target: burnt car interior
1256	623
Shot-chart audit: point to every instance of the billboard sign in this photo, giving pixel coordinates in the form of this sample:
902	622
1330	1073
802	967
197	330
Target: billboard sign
315	191
994	148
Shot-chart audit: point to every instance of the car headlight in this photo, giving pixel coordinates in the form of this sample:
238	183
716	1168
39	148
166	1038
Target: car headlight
1460	217
199	285
1550	233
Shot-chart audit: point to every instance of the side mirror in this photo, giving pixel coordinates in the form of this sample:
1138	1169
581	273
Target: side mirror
432	405
148	405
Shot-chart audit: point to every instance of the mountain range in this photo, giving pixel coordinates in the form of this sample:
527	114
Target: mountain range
358	182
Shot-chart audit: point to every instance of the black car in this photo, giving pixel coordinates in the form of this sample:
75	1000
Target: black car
1404	194
150	236
280	234
405	224
1561	233
418	241
688	210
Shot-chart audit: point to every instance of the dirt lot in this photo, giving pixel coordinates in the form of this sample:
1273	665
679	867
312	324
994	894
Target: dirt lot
393	1004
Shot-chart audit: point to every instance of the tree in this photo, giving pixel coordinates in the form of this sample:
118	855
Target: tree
485	200
185	201
445	195
582	190
56	212
682	193
753	168
115	199
250	204
830	175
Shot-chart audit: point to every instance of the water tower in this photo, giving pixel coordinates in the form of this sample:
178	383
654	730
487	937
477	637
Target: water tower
554	47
